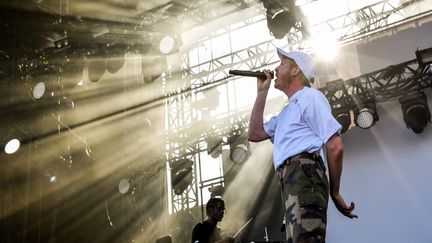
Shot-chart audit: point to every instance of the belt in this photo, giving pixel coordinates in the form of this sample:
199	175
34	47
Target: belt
302	155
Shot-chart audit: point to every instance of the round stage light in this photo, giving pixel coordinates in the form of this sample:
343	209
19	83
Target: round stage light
166	44
239	153
365	118
12	146
39	90
124	186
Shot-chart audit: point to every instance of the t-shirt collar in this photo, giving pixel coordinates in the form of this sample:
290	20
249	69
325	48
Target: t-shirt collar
296	95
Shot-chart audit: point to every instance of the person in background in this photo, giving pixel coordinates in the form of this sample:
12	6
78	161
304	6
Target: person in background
208	231
299	132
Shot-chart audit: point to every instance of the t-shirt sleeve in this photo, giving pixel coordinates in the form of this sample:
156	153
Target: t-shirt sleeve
318	115
270	127
197	233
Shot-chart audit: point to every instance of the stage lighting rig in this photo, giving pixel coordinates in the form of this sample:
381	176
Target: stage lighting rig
282	16
343	116
169	44
365	111
239	148
424	56
181	175
415	111
217	191
61	43
340	102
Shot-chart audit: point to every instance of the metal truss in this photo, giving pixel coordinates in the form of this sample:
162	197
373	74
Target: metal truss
368	20
350	27
192	13
383	85
178	115
180	143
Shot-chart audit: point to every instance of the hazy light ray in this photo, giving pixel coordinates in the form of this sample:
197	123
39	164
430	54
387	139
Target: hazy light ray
258	162
392	160
46	156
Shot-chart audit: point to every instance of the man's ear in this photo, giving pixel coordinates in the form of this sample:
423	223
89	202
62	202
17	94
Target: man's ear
295	71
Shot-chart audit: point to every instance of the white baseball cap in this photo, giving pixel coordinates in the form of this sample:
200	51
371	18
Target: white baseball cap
303	61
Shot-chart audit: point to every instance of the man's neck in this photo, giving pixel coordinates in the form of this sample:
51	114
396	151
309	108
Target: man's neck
211	221
294	88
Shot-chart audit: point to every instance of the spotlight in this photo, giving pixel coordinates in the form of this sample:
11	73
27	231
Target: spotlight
61	44
334	86
343	116
12	146
53	179
415	111
214	146
181	175
96	69
12	138
365	115
115	59
279	23
39	90
169	44
239	149
280	17
424	56
42	82
124	186
216	191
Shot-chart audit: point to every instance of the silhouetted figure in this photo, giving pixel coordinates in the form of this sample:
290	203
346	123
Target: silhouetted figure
207	231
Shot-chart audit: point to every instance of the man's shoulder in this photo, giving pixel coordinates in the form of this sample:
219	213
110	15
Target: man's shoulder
310	96
200	224
204	224
312	92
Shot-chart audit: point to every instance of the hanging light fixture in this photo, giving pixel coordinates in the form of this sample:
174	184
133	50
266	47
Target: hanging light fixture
340	103
343	116
365	111
169	44
424	56
239	148
415	111
280	17
365	115
181	175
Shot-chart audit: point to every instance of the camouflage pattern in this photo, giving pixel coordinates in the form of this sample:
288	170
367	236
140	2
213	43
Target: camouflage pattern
305	191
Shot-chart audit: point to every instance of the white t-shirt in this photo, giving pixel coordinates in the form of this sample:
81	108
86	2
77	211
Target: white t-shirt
304	125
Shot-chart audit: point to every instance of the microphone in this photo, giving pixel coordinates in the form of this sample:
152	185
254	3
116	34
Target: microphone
256	74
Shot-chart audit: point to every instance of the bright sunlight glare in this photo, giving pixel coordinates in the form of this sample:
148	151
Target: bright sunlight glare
325	46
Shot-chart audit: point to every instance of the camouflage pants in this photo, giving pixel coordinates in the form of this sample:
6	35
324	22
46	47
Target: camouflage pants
305	191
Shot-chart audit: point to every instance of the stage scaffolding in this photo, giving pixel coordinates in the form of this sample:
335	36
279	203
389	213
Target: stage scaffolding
181	117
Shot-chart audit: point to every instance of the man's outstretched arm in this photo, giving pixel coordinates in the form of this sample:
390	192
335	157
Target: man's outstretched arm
334	149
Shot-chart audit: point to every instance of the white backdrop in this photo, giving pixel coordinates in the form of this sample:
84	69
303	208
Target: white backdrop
388	168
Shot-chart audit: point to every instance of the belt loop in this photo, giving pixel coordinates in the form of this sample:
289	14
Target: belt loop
321	162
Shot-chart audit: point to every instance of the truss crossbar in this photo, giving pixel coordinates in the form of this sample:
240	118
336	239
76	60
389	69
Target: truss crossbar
383	85
350	28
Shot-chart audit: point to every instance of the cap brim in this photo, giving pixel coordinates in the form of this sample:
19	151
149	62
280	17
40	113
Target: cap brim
281	52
